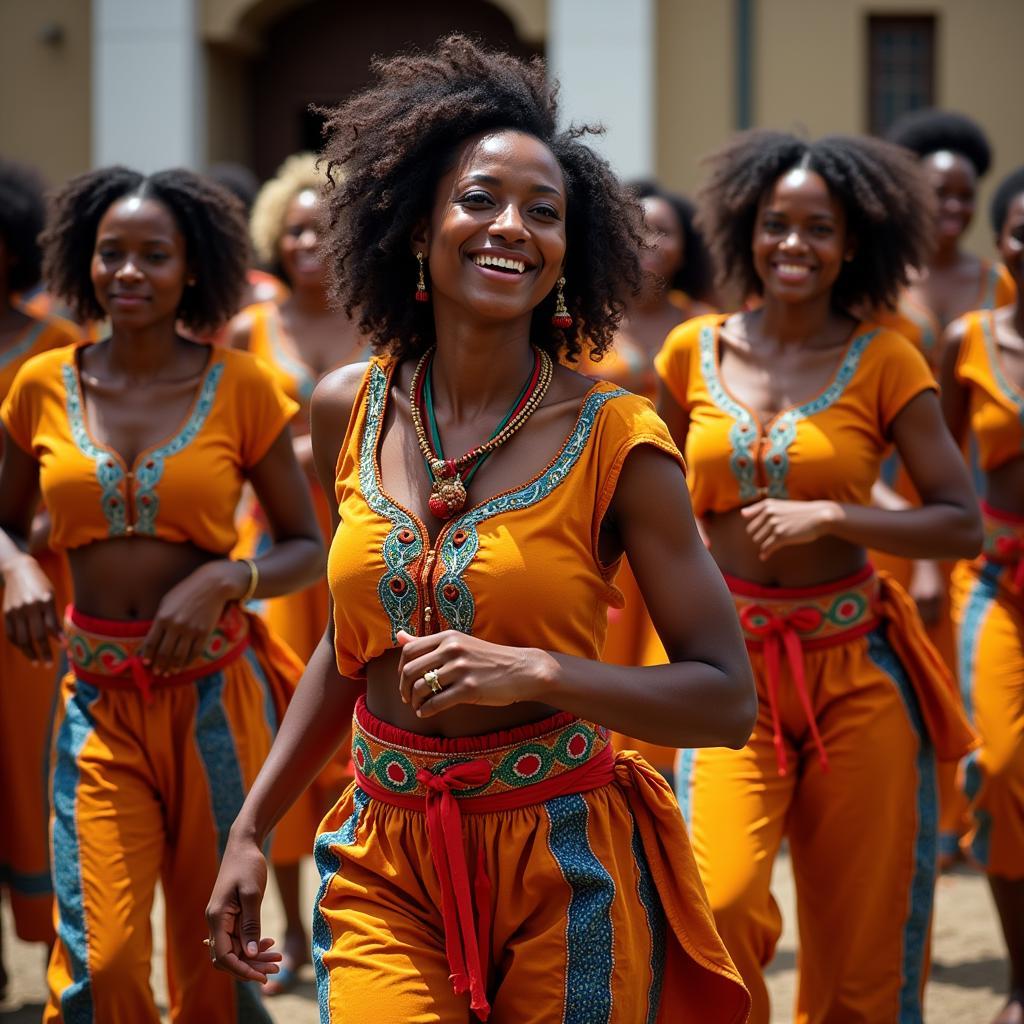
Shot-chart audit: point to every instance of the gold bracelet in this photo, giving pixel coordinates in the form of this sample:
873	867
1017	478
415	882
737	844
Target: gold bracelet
254	580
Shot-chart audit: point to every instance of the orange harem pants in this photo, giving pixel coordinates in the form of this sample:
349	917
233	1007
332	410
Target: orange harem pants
988	602
147	777
27	696
528	874
299	620
854	706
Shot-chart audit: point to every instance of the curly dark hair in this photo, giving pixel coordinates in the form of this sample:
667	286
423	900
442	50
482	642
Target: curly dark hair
931	131
393	142
884	194
1009	188
209	217
696	275
22	215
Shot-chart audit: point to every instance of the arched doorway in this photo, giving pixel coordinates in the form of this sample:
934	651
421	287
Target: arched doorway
320	51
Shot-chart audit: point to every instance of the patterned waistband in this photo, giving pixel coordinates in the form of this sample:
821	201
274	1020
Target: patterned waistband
820	616
105	652
511	768
1004	535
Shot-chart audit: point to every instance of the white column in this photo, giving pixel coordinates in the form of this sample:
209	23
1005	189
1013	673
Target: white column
602	53
148	94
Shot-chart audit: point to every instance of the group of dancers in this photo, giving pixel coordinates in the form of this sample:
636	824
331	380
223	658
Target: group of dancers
382	552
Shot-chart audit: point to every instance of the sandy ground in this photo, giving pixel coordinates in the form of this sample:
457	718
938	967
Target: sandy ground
967	978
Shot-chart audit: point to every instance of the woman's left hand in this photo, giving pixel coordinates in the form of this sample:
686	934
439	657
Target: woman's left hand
188	614
775	523
469	671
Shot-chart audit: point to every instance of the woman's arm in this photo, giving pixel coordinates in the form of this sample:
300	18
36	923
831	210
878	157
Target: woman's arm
945	525
705	697
31	621
317	721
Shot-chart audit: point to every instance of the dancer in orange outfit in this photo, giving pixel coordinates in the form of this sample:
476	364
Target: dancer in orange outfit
493	857
140	445
300	340
983	392
677	276
786	413
27	690
954	155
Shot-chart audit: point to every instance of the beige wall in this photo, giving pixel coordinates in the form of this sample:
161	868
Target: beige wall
45	112
811	67
695	87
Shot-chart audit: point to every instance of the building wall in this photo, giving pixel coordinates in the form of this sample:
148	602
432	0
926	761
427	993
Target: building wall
45	88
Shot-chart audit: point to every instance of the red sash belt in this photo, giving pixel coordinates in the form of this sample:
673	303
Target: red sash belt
105	652
466	899
791	621
1004	540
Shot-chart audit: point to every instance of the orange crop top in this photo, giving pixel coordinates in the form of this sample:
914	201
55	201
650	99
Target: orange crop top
534	546
996	404
828	447
43	334
268	341
185	488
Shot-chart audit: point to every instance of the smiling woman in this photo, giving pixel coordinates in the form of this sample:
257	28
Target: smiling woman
140	445
784	414
493	855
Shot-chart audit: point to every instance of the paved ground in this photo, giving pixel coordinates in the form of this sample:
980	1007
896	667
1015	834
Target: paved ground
966	982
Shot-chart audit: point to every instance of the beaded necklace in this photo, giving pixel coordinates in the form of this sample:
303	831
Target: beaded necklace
449	477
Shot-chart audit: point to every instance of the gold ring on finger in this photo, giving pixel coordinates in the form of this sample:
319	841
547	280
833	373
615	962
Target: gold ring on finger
431	678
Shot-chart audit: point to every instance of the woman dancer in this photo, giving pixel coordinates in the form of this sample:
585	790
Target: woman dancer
983	392
301	340
140	444
26	690
490	837
785	413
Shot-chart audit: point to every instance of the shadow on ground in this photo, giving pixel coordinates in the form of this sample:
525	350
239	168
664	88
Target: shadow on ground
988	973
27	1013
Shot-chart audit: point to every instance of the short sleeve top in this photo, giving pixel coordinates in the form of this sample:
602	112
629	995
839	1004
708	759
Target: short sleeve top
534	546
183	489
828	447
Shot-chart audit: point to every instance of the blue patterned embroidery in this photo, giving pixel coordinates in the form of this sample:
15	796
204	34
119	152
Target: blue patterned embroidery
686	766
305	382
651	903
461	542
19	349
328	864
404	544
783	431
589	939
149	472
78	725
743	433
109	471
1006	386
988	291
922	884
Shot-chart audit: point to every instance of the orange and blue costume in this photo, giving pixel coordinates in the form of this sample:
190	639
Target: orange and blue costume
27	695
547	878
855	704
988	608
148	773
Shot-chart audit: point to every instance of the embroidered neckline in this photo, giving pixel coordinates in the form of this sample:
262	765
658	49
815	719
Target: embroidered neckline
780	430
457	543
147	468
305	379
1009	389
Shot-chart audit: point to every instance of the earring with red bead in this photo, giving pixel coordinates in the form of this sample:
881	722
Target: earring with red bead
422	295
562	318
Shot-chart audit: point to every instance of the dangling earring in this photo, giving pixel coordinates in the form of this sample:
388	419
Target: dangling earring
421	284
561	318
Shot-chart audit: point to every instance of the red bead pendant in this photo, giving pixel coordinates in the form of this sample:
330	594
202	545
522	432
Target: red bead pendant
563	322
422	296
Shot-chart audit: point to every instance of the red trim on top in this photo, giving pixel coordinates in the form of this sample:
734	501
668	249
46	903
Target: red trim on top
109	627
747	589
393	735
1000	516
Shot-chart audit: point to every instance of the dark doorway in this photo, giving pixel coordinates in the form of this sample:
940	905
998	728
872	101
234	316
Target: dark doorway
320	52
